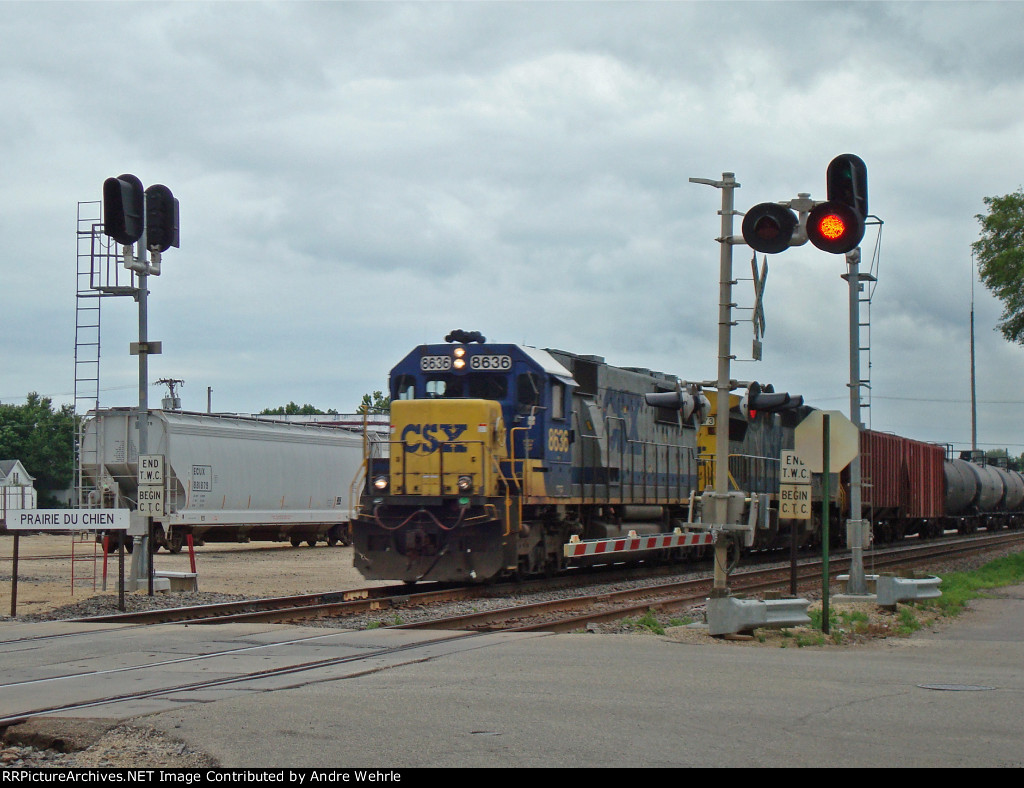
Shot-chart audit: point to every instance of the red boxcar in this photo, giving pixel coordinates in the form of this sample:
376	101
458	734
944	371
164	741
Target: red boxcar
902	478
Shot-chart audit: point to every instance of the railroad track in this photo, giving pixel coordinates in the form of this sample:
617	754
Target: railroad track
90	688
97	688
674	594
576	613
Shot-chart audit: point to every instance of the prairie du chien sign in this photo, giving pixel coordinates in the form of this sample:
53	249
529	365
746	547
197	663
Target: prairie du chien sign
68	519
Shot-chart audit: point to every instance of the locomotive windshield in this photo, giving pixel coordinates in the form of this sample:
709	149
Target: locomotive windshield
481	385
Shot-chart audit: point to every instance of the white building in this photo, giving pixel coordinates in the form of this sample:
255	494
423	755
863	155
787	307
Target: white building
17	488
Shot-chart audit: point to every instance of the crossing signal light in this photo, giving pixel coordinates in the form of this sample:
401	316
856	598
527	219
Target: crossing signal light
837	226
161	218
123	208
688	402
847	182
765	399
768	227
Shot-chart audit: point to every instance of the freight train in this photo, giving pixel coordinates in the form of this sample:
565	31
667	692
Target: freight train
228	478
507	460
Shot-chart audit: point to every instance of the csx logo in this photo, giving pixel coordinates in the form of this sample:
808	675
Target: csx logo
428	438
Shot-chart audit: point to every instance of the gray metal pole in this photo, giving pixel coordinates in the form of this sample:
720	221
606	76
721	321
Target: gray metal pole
974	394
720	507
724	386
855	525
147	542
142	557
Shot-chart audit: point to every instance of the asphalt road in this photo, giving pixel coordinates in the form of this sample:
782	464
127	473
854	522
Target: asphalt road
949	698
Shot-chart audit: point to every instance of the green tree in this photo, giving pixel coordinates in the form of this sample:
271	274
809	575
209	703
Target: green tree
1000	256
43	438
291	409
377	403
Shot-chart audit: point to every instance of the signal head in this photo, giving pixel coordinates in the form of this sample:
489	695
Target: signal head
768	227
161	218
688	402
847	182
834	227
123	208
765	398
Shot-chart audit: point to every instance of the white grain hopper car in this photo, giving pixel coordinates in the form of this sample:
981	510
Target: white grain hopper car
229	478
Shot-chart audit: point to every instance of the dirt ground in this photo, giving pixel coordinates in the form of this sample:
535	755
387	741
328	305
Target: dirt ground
46	570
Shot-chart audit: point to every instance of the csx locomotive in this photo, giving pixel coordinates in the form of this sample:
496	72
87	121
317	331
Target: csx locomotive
511	460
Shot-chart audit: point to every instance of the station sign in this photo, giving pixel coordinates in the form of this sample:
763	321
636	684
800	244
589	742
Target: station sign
68	520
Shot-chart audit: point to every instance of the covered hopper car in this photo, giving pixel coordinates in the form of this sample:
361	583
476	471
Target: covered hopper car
228	478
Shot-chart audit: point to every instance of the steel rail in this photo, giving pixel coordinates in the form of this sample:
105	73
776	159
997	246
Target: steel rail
670	596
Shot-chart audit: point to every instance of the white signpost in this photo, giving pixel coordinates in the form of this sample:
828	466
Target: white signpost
827	442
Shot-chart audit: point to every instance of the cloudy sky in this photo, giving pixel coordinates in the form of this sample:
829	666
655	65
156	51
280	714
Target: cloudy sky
359	178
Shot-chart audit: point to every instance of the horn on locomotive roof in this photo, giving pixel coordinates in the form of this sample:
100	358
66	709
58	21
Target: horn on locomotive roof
465	337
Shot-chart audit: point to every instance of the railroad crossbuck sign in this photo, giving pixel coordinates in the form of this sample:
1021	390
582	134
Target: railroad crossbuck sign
794	487
844	441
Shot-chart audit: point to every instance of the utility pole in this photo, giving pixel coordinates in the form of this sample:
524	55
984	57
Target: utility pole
720	496
855	526
974	395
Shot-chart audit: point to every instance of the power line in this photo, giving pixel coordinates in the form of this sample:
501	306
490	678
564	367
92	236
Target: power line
930	399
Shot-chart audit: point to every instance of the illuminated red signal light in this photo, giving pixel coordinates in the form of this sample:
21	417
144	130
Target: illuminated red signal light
834	227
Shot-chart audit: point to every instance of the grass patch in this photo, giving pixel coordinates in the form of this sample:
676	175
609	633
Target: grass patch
907	622
958	588
648	621
856	621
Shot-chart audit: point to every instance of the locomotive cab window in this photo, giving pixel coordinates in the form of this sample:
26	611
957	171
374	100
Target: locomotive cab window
557	400
528	392
436	388
472	386
405	387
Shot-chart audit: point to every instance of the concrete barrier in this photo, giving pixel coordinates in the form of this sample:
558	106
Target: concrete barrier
890	589
178	581
730	615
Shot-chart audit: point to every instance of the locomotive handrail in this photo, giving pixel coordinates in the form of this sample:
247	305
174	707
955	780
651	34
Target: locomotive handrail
679	451
355	498
520	480
709	460
761	471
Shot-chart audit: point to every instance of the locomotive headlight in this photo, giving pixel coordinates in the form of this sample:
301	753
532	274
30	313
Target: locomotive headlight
381	483
459	352
459	363
465	483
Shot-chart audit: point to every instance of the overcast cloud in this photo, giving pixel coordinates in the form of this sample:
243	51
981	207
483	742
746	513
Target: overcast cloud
359	178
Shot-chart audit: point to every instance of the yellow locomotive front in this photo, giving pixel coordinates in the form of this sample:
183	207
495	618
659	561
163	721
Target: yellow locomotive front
446	447
440	508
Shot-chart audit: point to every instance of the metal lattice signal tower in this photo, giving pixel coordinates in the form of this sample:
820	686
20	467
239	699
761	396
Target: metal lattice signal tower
99	275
